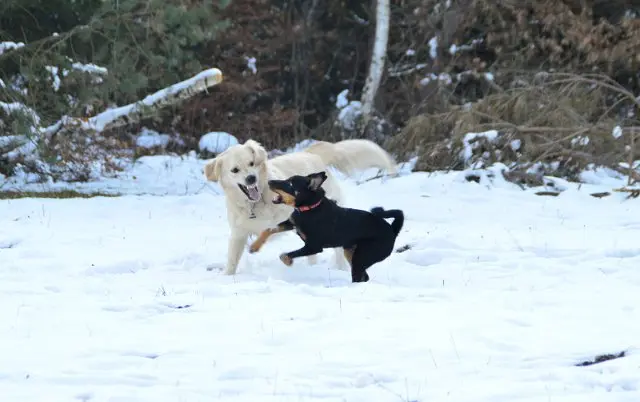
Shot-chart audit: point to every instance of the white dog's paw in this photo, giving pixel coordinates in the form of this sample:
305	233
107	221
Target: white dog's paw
230	272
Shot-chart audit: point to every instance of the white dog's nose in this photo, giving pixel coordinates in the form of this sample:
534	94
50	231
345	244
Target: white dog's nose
250	180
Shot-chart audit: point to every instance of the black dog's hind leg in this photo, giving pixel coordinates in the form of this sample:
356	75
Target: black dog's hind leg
359	273
305	251
366	254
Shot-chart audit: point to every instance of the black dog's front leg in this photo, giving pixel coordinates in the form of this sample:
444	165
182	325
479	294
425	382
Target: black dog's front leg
287	258
283	226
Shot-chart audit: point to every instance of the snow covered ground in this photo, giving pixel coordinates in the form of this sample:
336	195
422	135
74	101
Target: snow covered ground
501	293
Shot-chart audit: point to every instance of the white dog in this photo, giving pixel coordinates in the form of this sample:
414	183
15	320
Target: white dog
243	171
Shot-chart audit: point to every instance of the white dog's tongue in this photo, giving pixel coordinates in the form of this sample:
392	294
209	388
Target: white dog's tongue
254	194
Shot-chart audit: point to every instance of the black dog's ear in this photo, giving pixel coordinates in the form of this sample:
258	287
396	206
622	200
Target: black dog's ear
316	180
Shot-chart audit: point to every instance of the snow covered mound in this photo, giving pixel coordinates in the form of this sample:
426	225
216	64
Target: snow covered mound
216	142
497	295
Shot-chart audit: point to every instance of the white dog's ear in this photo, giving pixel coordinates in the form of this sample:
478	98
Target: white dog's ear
212	170
316	180
258	150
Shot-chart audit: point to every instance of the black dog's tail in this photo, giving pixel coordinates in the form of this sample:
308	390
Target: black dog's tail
396	214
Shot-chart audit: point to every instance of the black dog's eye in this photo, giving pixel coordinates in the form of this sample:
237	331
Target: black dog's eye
235	170
250	163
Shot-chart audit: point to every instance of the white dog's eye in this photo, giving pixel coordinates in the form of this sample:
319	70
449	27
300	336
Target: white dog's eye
235	170
250	163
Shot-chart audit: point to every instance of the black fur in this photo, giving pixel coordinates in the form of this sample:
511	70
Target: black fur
328	225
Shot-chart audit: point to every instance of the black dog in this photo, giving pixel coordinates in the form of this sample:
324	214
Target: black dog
365	236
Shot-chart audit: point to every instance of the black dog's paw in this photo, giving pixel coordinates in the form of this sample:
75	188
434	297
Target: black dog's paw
284	257
377	210
363	278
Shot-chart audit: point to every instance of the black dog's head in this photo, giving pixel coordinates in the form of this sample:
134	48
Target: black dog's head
297	191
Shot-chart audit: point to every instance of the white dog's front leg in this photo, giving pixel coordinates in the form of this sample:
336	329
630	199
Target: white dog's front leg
341	262
237	242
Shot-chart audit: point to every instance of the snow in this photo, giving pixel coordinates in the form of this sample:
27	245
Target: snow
349	115
14	107
515	144
617	132
469	142
27	145
55	78
6	46
110	299
94	70
580	140
25	141
216	142
433	48
151	139
342	99
442	77
251	64
89	68
448	79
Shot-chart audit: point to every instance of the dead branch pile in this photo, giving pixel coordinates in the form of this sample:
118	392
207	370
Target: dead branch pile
481	46
556	124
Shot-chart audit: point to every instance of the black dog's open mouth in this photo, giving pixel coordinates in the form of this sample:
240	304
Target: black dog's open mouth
281	194
252	192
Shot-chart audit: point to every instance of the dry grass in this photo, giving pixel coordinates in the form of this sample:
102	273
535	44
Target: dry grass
602	359
559	120
62	194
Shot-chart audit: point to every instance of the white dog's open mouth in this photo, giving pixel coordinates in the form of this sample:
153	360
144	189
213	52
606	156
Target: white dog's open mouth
252	192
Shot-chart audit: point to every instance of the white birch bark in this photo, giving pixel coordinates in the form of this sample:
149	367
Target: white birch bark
378	58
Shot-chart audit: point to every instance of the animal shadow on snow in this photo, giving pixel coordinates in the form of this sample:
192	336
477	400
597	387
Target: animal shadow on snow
268	266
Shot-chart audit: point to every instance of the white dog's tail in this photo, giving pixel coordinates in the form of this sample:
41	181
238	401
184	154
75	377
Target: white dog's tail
350	156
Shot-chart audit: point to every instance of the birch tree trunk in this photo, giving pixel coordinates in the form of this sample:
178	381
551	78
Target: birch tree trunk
378	58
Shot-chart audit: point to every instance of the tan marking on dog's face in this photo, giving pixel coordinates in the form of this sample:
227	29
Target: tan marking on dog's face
287	198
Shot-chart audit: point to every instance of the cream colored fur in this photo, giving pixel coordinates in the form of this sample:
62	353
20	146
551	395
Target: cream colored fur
351	156
250	158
